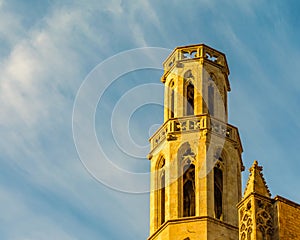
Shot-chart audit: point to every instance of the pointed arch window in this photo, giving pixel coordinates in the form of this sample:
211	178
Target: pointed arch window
161	191
225	100
188	202
190	99
188	93
218	192
186	181
211	93
171	99
162	197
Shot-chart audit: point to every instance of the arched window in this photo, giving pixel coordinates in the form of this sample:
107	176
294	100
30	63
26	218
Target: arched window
211	94
161	180
188	93
188	190
171	99
225	100
186	183
172	104
190	99
218	192
162	197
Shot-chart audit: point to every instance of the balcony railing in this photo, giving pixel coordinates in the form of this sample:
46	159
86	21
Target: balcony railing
190	124
181	54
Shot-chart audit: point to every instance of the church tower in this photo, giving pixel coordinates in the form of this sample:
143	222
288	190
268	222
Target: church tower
195	155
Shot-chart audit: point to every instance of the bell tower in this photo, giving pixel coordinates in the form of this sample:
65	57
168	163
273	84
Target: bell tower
195	155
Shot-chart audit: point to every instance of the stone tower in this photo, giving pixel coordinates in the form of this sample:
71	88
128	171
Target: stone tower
195	155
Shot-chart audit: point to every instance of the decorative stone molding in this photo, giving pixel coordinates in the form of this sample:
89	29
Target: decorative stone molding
199	123
264	219
246	221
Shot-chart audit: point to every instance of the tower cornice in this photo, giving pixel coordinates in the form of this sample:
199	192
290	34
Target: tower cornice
198	52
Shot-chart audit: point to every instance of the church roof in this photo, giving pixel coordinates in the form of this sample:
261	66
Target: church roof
256	182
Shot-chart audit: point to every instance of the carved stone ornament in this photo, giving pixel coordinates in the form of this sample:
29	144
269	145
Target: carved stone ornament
246	222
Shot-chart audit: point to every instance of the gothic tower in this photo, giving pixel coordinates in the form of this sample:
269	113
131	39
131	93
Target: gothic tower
195	155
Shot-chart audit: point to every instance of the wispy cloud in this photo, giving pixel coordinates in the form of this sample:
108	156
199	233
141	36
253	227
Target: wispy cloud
43	64
39	79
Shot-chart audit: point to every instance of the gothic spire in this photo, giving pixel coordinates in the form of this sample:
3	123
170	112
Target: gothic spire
256	182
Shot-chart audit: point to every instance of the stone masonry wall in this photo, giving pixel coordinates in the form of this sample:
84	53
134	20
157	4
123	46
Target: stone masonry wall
288	219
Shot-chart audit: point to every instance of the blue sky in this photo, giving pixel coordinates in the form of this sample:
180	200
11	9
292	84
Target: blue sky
47	48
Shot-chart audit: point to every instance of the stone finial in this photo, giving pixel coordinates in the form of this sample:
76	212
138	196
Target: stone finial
256	182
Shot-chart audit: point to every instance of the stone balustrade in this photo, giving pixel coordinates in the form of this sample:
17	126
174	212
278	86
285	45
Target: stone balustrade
193	123
181	54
